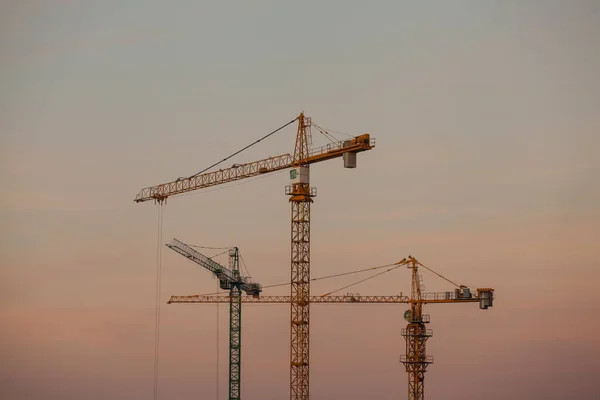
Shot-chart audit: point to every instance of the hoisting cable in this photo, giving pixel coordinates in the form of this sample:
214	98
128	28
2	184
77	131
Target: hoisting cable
314	279
250	145
208	247
352	272
362	280
326	134
220	254
441	276
245	267
213	248
157	309
331	130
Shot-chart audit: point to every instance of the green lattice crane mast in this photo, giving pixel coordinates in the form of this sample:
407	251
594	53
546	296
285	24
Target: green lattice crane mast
229	279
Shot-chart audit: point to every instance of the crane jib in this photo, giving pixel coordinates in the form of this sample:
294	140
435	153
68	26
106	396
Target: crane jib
241	171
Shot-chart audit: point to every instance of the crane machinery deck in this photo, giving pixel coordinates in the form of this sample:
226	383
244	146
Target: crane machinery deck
301	196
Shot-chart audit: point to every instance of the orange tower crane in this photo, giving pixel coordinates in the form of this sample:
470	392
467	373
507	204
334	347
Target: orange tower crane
416	359
301	196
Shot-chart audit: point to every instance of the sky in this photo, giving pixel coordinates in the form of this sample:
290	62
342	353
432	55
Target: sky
486	120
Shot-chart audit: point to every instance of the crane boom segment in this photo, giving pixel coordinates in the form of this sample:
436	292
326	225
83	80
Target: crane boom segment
248	170
225	275
200	259
237	172
428	298
287	299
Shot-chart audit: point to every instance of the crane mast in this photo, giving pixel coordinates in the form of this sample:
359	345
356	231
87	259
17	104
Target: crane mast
301	198
235	327
229	279
416	334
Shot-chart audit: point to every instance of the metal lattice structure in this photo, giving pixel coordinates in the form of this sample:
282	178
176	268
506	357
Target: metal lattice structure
229	279
235	328
416	334
196	299
300	268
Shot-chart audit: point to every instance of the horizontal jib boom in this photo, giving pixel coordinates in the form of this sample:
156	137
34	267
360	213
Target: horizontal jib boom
237	172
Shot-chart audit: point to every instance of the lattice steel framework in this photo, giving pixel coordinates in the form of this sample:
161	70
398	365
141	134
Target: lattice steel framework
235	328
235	342
433	298
416	359
300	271
300	304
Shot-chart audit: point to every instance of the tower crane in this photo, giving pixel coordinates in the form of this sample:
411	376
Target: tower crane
301	196
416	334
229	279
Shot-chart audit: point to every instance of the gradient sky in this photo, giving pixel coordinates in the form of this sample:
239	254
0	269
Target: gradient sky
487	121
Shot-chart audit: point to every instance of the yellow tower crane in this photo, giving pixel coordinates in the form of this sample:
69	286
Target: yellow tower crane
301	196
416	359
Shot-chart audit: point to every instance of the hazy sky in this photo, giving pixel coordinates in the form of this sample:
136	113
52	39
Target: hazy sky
487	119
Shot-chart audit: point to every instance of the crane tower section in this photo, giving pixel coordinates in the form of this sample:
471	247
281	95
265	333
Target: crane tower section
416	334
229	279
301	198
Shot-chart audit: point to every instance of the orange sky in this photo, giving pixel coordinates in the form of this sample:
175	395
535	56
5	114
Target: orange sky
486	121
